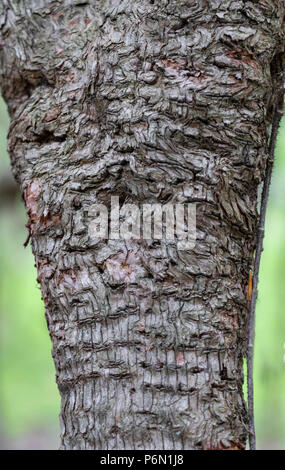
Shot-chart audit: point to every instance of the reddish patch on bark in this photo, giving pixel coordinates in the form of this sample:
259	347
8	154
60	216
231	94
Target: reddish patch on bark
199	78
180	359
52	115
49	221
73	94
249	287
31	195
73	279
59	50
172	64
184	76
72	22
124	267
141	327
57	15
87	21
245	57
221	446
68	276
70	77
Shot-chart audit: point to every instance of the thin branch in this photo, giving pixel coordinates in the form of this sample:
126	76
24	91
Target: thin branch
278	113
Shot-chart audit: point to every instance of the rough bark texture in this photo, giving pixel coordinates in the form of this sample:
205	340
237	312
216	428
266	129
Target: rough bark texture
153	101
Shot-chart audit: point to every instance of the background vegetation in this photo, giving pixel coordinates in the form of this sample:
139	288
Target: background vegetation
29	401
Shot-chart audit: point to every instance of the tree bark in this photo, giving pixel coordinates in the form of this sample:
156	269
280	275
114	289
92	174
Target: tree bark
154	102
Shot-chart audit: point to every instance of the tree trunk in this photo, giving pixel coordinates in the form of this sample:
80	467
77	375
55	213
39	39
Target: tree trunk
154	102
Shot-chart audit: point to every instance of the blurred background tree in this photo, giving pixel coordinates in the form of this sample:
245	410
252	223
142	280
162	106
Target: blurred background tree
29	401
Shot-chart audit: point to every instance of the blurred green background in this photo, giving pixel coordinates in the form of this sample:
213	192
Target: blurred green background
29	401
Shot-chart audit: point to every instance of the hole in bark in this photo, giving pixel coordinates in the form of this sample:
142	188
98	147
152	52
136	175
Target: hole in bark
196	370
48	136
76	202
166	197
224	373
114	430
144	365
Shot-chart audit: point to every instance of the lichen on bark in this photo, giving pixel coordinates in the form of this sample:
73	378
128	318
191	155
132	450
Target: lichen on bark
154	102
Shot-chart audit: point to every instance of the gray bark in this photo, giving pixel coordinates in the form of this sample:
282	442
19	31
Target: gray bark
153	101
